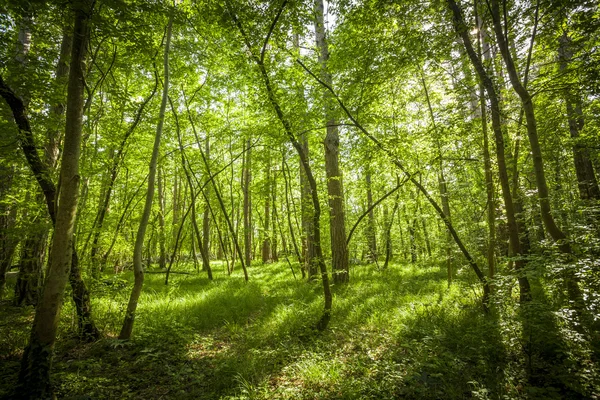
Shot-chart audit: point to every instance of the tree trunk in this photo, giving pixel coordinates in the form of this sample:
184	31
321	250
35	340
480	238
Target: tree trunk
586	178
388	232
371	238
162	252
247	206
266	244
536	152
29	279
335	191
461	29
487	162
206	225
8	240
34	377
138	268
328	298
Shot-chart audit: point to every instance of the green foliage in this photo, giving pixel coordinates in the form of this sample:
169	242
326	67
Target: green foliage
400	333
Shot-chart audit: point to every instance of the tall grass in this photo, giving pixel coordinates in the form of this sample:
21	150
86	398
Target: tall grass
399	333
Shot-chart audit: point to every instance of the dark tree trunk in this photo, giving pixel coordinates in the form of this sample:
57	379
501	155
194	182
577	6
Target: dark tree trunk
461	29
586	178
29	279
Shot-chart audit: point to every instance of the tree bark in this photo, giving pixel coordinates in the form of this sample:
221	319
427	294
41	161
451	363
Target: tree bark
371	237
538	163
461	30
259	60
586	178
266	244
206	225
138	268
34	377
335	191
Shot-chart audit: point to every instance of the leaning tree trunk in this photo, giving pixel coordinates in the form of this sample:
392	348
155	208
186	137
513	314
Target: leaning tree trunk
138	268
515	245
586	178
335	191
259	60
527	103
34	377
414	181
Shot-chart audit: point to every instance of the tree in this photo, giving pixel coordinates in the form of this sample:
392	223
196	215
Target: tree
34	378
335	191
127	327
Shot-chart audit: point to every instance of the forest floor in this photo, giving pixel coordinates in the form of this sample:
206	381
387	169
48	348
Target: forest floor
399	333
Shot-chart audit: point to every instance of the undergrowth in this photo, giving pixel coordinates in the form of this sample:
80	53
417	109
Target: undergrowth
398	333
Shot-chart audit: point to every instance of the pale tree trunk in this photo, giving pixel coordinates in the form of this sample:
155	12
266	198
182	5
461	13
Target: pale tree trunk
335	191
291	209
34	377
138	268
442	184
266	244
308	237
188	176
586	178
274	220
247	206
461	29
371	237
388	232
162	252
206	224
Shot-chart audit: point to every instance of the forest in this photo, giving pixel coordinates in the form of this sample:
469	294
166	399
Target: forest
283	199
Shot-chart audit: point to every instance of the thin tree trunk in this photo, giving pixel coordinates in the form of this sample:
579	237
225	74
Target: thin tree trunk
247	206
410	177
138	268
586	178
206	224
34	377
388	232
525	292
538	163
328	298
162	252
266	244
184	165
371	237
487	164
8	240
289	211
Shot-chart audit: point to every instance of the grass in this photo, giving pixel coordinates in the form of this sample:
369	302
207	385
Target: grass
399	333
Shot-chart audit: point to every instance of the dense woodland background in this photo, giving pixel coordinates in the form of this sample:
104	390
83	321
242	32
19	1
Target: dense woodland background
284	199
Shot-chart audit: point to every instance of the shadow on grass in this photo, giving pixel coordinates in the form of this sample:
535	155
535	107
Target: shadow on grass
399	333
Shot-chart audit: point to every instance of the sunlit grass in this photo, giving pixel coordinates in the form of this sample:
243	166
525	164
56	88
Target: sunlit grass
399	333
